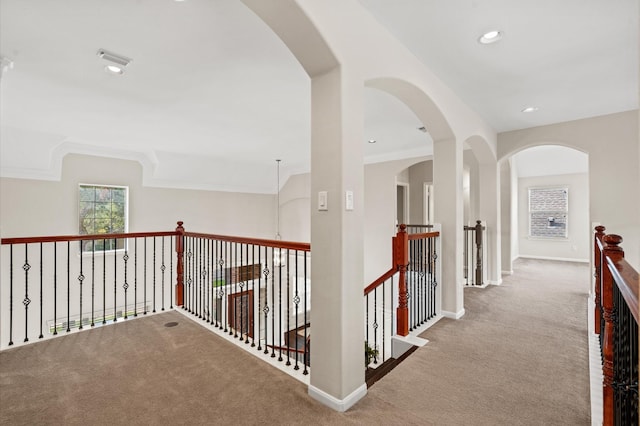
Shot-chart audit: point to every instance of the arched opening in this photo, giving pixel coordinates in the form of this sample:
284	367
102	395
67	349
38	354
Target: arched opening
545	204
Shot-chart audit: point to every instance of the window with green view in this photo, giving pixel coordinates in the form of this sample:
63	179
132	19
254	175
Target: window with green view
103	210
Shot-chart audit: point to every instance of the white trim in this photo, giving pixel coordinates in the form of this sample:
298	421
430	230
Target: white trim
506	273
340	405
495	282
563	259
453	315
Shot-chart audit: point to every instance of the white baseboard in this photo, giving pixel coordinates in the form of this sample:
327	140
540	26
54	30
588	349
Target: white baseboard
507	272
497	282
453	315
562	259
340	405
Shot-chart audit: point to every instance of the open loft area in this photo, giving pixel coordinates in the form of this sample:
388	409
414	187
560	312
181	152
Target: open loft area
313	126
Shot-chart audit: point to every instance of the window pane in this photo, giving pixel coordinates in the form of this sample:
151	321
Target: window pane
102	210
87	193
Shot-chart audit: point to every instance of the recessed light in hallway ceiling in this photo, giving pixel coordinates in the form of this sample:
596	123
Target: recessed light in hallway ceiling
530	109
490	37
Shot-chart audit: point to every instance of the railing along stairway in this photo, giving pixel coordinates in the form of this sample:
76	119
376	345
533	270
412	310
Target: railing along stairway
616	322
410	287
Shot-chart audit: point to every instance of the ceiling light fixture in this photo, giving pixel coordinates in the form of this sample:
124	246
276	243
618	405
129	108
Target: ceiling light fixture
530	109
372	141
119	62
490	37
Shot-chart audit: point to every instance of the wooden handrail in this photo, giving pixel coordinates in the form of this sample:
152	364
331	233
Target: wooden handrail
291	245
424	235
382	278
626	278
60	238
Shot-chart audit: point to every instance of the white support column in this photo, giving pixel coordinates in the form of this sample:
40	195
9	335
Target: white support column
337	242
490	213
447	187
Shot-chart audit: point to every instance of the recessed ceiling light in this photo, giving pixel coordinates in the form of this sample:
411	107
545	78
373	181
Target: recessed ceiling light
118	62
113	69
490	37
530	109
372	141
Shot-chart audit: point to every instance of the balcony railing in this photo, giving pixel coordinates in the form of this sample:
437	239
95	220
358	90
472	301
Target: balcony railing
409	289
616	321
475	253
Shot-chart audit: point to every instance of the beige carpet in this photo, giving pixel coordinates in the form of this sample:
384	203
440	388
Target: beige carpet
519	356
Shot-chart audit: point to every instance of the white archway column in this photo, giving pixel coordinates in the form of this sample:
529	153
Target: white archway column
447	185
337	241
490	213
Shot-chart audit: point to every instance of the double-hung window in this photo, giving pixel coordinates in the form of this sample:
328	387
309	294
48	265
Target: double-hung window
103	210
548	212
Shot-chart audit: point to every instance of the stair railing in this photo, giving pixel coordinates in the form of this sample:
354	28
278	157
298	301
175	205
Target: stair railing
474	254
616	297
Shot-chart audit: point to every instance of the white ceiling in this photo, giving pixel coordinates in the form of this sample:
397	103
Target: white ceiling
213	89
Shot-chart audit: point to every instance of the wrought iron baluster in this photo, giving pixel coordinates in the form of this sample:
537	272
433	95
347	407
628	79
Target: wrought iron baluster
93	282
296	301
11	295
125	286
172	286
26	301
154	274
104	281
115	281
41	285
68	286
307	359
287	308
253	294
135	277
80	282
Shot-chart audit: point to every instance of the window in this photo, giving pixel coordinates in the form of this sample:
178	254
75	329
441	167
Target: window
548	211
103	210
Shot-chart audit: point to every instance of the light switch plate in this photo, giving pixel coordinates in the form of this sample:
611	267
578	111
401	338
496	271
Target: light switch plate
322	201
348	200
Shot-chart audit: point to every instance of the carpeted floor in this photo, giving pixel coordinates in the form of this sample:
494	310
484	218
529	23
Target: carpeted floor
518	357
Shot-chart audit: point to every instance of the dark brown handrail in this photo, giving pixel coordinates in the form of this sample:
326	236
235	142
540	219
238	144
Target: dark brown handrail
292	245
382	278
626	278
425	235
59	238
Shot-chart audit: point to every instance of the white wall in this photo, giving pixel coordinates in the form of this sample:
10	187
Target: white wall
38	208
419	174
577	246
295	203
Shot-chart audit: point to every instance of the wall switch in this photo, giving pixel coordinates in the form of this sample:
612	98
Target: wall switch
348	200
322	201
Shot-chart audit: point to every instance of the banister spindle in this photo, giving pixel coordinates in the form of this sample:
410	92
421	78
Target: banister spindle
615	253
597	263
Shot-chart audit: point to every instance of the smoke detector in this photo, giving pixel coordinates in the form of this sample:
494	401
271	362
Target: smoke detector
118	62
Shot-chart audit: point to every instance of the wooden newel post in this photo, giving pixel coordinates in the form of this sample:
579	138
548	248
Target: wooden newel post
597	263
402	261
615	253
180	264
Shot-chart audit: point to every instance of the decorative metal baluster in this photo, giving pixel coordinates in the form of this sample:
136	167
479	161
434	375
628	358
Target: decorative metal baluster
247	277
162	269
26	300
154	274
220	285
227	272
307	360
384	326
68	286
93	282
135	277
253	294
233	327
434	284
11	295
273	305
171	272
80	281
55	287
104	281
191	274
115	281
288	310
144	276
41	284
259	312
296	301
375	321
265	310
125	286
